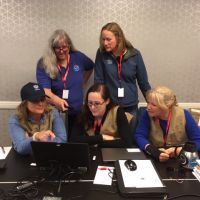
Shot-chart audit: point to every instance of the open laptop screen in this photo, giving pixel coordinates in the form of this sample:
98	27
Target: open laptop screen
73	155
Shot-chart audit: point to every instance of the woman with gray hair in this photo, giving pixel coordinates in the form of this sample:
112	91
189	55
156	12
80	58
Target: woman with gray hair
63	72
165	127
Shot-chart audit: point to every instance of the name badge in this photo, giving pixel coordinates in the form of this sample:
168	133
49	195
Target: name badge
65	94
120	92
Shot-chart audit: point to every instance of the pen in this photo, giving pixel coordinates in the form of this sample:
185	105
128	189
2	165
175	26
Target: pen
2	148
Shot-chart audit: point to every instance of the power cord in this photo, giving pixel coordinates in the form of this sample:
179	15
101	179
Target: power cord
184	195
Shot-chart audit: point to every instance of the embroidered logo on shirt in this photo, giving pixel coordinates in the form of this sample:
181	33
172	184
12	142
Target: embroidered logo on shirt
76	68
109	62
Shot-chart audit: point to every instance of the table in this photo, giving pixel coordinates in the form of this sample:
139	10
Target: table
18	167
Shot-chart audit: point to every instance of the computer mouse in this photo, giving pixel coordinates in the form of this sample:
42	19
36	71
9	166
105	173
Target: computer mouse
130	165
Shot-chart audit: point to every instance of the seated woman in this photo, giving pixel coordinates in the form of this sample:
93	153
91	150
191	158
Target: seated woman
164	126
101	122
35	120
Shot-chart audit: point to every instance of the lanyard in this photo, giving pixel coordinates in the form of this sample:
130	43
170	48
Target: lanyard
167	128
96	124
64	78
119	66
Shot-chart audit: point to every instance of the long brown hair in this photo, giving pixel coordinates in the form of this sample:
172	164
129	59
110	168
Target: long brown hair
123	43
86	115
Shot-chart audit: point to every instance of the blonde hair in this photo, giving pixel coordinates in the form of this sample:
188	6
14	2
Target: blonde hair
163	97
22	111
49	58
117	31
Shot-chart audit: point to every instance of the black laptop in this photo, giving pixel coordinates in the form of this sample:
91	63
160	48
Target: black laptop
73	155
113	154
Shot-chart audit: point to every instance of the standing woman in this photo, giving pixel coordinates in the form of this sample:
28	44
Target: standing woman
119	65
63	72
101	121
35	120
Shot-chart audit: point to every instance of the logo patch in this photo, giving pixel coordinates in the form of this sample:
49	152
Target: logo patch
36	87
76	68
109	62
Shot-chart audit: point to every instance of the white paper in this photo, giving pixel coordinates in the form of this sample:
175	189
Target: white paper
144	176
4	154
196	175
104	175
198	161
130	150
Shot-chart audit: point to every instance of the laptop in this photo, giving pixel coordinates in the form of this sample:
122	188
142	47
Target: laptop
113	154
71	155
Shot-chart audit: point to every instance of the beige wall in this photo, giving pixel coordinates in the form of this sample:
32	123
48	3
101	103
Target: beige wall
167	32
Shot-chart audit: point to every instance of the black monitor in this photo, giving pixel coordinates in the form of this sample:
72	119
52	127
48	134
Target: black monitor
71	155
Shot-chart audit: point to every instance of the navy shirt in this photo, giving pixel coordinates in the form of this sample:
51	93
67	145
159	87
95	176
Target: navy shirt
74	82
133	71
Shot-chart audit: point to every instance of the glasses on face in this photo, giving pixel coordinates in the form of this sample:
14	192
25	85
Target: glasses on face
94	103
63	48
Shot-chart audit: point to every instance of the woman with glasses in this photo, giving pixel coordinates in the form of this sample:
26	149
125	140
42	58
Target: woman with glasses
101	122
63	72
35	120
165	127
120	66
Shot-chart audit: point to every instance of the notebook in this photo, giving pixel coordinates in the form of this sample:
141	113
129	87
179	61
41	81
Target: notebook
72	155
113	154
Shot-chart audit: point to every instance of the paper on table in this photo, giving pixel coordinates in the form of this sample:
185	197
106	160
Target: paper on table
144	176
133	150
104	175
4	153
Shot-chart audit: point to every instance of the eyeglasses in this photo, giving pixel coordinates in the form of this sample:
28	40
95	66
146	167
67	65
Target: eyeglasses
63	48
95	103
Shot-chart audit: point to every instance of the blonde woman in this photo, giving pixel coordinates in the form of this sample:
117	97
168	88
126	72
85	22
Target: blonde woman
35	120
63	72
165	127
120	66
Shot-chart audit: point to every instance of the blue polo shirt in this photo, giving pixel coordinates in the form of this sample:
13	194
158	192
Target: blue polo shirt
79	63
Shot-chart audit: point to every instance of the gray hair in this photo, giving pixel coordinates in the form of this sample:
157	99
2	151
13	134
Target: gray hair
49	58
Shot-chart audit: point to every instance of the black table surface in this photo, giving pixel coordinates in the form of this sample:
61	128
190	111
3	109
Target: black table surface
177	181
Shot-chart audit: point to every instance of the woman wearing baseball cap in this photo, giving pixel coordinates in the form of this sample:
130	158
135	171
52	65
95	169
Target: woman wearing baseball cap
35	120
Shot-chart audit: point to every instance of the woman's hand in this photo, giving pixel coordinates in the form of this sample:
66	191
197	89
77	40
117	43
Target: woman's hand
60	103
44	136
107	137
164	156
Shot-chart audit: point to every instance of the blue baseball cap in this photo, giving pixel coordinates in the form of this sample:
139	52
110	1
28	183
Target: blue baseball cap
32	92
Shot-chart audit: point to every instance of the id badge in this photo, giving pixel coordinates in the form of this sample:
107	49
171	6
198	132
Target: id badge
120	92
65	94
